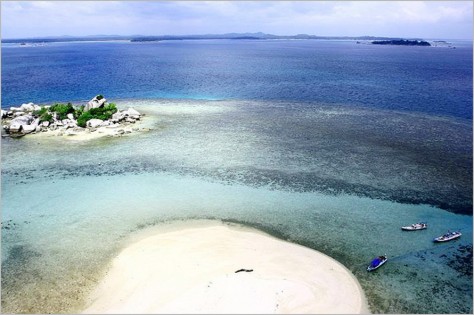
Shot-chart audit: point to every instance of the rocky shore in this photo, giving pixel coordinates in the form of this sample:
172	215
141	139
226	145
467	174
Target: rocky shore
30	118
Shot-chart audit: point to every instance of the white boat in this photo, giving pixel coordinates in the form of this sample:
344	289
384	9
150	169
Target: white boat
377	262
448	236
415	227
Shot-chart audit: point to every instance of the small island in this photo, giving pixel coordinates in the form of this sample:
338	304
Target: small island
401	42
97	116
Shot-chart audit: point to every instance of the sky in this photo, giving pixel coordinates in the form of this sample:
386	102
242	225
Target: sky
409	19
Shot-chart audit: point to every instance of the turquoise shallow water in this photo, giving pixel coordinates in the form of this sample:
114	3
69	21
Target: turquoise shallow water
344	189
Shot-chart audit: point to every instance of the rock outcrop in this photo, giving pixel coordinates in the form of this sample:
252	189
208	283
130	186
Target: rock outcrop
130	115
94	123
19	121
96	102
24	119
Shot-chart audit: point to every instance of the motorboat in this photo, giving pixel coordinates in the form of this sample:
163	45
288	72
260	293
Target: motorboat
448	236
377	262
415	227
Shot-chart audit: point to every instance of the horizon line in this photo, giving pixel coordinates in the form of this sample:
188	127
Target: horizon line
220	34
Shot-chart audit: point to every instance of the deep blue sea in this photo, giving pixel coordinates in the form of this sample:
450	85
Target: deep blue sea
329	144
429	80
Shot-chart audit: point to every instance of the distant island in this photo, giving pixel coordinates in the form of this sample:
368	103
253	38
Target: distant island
149	38
402	42
228	36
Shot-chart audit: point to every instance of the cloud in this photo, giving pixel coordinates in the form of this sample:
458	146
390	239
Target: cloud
381	18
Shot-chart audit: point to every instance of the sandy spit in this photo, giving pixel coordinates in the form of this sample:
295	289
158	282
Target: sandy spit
192	268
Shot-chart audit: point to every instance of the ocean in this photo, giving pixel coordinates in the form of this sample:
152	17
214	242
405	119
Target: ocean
329	144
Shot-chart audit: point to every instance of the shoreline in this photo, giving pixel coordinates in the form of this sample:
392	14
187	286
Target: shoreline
101	132
193	267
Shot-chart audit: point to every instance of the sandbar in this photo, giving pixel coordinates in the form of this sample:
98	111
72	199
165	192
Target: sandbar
192	269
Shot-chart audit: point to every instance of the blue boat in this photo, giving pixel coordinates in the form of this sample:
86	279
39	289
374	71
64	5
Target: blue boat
377	262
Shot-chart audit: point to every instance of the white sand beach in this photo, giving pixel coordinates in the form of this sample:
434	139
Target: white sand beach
192	269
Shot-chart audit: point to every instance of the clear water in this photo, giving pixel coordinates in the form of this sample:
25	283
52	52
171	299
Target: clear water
336	176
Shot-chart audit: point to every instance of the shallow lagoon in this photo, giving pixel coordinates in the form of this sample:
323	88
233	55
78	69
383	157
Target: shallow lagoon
337	179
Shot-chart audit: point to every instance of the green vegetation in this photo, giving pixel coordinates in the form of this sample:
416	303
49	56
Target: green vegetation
402	42
62	110
79	111
103	113
82	120
40	112
46	116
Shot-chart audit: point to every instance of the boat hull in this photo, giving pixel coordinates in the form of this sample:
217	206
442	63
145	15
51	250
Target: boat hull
442	239
409	228
415	227
370	268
